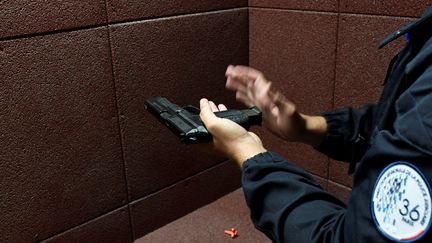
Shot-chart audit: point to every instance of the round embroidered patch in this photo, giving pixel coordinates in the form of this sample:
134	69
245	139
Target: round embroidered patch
401	202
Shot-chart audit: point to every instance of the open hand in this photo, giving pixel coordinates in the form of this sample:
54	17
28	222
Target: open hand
280	115
229	138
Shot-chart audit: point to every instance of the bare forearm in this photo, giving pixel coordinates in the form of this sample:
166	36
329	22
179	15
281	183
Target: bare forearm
315	130
313	133
246	153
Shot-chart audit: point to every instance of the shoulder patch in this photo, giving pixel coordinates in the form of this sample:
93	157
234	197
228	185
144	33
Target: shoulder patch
401	202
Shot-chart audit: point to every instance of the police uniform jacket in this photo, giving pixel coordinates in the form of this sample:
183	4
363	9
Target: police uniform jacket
289	206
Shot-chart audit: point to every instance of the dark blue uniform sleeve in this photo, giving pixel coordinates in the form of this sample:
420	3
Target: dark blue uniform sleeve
348	133
287	204
349	129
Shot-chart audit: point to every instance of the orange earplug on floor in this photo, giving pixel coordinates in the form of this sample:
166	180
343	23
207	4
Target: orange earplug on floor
232	232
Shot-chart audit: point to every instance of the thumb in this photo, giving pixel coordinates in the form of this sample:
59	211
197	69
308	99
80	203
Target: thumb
207	116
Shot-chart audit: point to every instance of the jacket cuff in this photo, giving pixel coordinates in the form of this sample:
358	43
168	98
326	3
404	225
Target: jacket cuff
265	157
336	132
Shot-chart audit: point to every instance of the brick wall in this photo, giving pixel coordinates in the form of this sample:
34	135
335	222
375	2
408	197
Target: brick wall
323	55
81	160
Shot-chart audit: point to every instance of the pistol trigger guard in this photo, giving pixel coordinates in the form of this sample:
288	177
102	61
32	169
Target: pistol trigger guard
192	109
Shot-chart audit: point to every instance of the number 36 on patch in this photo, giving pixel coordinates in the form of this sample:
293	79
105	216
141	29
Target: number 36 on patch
401	202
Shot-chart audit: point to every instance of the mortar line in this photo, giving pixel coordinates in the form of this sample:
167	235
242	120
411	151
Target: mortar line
173	184
334	76
128	203
72	29
97	217
119	129
128	21
132	231
333	12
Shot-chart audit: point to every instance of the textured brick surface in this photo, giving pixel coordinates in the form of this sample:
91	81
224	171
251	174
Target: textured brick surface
62	170
208	223
19	17
340	191
184	59
361	66
329	5
322	181
136	9
338	172
111	227
292	51
297	153
61	161
173	202
412	8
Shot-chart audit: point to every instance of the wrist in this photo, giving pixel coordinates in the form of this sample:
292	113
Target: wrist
246	148
315	130
246	153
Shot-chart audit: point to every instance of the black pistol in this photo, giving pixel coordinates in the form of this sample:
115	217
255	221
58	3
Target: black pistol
185	121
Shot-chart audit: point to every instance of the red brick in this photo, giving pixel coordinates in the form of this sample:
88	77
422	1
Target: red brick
322	181
135	9
111	227
361	66
36	16
61	157
297	153
292	51
413	8
338	172
331	5
340	191
183	59
159	209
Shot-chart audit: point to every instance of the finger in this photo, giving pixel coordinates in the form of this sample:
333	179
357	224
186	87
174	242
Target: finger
213	106
257	94
222	107
229	70
206	114
239	76
262	93
242	97
236	84
278	99
243	71
250	92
